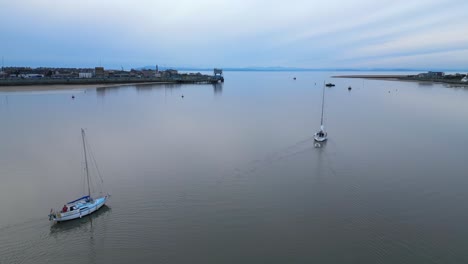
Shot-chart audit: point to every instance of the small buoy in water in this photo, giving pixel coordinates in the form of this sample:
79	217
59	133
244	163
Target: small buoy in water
73	97
349	88
182	96
294	78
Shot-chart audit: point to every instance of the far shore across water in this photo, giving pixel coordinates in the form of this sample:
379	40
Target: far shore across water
376	76
404	78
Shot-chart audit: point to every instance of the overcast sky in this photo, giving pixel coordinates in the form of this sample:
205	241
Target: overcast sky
426	34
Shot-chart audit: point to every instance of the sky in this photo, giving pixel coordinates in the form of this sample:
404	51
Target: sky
360	34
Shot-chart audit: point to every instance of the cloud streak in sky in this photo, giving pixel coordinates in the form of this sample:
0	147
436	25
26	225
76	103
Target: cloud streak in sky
232	33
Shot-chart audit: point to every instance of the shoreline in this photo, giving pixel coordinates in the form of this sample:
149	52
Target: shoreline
176	79
47	84
69	87
403	78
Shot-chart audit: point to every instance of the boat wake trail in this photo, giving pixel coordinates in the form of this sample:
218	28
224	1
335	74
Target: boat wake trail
297	148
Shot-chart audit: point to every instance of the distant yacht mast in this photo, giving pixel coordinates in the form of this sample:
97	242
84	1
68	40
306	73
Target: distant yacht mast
86	160
323	103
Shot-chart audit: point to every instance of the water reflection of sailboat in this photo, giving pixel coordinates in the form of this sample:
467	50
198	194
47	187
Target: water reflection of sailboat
85	234
320	172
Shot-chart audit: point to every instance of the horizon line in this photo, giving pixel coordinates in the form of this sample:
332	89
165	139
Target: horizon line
258	68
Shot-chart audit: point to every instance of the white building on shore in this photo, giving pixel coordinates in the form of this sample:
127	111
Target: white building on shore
83	75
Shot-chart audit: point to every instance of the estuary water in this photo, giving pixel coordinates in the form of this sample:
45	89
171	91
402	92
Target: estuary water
229	173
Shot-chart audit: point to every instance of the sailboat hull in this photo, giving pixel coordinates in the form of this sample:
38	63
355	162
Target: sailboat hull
82	209
319	138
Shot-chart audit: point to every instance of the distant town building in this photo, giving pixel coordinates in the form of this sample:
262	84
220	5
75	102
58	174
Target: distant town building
120	74
64	76
148	73
172	72
432	74
85	75
99	72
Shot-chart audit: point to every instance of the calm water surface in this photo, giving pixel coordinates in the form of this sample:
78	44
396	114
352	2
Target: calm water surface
230	173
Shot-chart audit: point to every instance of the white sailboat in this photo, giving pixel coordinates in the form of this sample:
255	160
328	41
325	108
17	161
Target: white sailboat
321	135
82	206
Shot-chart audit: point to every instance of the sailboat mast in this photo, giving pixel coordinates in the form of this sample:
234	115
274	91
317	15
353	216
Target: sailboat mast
86	160
323	103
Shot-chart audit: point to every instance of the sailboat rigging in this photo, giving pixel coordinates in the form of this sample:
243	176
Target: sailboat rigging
321	135
82	206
